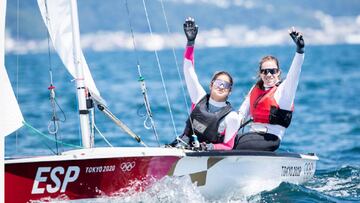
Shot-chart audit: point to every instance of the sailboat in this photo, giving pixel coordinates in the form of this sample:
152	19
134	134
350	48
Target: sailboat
93	172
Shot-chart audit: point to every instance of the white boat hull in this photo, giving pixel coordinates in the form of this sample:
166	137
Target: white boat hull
89	173
245	172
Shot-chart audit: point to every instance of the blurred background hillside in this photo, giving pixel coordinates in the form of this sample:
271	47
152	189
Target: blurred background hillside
238	23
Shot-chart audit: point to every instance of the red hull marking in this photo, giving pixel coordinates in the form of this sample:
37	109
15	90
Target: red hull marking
78	179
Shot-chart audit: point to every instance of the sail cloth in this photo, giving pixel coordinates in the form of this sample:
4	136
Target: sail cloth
10	115
57	18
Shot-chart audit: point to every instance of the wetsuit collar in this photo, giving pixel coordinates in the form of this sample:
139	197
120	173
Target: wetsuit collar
269	87
215	103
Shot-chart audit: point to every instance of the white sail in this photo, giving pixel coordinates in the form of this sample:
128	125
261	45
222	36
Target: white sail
10	115
57	18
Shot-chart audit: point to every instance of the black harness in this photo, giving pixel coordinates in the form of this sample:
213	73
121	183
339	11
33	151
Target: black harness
205	124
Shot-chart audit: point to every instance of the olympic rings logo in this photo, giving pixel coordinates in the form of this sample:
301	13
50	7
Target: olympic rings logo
127	166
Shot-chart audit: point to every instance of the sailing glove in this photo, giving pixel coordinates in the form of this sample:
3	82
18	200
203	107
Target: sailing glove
298	39
191	30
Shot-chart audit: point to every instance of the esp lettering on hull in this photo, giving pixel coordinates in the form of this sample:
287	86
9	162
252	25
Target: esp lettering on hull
59	179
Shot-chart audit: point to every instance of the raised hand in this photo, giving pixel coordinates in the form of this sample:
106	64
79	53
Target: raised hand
298	39
191	30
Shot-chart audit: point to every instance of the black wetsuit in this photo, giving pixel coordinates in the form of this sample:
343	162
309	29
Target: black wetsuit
257	141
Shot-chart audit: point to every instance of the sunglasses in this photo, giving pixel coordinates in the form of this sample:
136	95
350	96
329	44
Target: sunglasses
272	71
221	84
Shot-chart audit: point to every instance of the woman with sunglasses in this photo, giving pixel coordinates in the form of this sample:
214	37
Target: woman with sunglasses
270	102
212	118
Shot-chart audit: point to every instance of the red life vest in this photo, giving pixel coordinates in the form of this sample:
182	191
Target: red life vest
264	108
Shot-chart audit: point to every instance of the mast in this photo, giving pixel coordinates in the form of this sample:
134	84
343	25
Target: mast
80	83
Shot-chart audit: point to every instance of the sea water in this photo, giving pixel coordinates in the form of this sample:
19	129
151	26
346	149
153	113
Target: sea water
326	119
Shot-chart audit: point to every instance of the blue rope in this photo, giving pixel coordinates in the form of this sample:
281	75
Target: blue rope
37	132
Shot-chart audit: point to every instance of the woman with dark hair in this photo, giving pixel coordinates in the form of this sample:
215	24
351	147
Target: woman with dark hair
212	118
270	102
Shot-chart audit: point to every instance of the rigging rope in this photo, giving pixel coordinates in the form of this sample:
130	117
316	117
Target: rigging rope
53	125
142	81
96	128
17	66
36	131
160	69
177	68
175	58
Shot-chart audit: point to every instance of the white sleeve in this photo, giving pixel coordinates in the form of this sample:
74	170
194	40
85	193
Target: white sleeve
231	129
232	126
285	93
244	110
196	91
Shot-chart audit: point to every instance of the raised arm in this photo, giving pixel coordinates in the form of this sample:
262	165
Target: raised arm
285	93
196	91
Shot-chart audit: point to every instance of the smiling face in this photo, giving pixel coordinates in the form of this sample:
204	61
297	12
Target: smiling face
269	73
220	88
